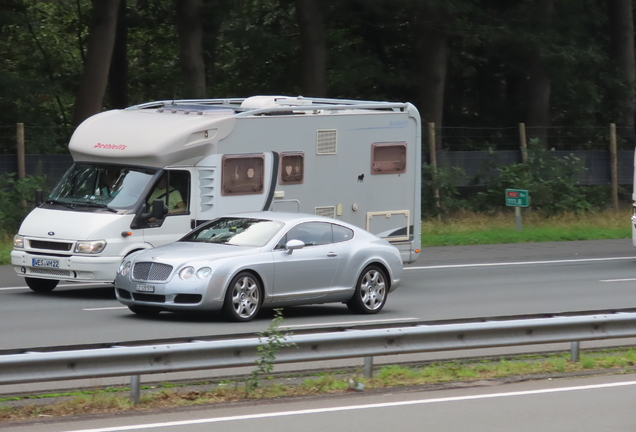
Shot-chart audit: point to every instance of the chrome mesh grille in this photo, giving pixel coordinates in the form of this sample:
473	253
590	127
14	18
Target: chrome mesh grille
149	271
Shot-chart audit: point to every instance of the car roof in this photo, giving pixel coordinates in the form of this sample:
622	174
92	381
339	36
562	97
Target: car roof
287	217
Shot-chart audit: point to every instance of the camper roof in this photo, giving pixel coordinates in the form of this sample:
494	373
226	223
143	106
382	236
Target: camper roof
169	132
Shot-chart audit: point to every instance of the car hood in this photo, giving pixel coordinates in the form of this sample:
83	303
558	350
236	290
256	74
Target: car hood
182	252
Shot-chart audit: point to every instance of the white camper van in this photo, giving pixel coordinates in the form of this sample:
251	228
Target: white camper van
355	161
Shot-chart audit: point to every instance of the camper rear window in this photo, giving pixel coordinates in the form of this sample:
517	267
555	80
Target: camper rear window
388	158
292	168
242	175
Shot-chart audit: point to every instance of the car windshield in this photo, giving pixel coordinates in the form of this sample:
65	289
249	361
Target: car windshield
100	186
235	231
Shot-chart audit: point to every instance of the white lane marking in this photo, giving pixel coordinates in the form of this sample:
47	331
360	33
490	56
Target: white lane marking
518	263
619	280
356	407
329	324
105	308
78	285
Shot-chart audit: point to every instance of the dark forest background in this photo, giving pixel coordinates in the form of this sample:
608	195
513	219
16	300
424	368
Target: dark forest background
463	63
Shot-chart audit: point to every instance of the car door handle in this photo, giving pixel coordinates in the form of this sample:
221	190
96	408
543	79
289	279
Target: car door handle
332	254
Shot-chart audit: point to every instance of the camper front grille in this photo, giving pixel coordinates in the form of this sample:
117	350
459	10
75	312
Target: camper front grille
49	272
328	211
49	245
327	141
149	271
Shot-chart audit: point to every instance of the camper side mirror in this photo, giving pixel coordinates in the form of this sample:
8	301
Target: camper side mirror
157	211
38	198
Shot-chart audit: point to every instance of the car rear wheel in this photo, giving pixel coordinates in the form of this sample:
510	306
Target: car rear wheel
371	291
41	285
144	310
243	297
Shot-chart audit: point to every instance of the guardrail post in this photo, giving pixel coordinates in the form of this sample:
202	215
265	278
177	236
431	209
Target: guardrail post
368	367
134	389
574	351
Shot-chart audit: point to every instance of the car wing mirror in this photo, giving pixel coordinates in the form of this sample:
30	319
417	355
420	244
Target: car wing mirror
292	245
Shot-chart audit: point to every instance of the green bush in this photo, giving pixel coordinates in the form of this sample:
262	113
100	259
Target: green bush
18	198
444	181
551	182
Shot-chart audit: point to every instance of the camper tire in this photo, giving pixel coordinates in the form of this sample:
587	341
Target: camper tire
371	291
41	285
243	298
144	310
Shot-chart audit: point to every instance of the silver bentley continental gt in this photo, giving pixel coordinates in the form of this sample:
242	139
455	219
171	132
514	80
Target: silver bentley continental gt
239	263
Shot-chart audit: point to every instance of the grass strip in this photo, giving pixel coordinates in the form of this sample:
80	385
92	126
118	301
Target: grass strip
168	395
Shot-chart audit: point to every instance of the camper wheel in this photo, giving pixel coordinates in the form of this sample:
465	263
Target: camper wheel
371	291
243	297
41	285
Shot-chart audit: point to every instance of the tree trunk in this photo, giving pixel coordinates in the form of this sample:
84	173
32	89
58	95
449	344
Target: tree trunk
190	31
313	47
432	52
118	78
538	86
621	49
99	50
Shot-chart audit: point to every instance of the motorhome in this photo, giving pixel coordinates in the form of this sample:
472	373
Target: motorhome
146	175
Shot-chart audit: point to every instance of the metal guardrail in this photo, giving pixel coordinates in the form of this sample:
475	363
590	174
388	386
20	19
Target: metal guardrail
200	355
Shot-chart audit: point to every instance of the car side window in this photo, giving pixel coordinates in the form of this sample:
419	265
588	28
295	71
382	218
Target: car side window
310	233
341	234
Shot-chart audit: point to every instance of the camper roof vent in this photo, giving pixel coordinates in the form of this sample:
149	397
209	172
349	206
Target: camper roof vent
258	102
326	141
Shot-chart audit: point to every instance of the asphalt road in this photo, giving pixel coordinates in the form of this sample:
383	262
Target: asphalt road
584	405
448	282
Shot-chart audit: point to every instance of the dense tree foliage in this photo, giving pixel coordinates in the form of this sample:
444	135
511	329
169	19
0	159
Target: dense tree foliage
464	63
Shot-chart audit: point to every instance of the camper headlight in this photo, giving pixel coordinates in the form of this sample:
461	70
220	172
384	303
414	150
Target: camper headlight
90	247
18	241
124	267
186	273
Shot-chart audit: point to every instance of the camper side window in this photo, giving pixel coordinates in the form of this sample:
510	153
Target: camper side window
292	168
242	175
388	158
173	187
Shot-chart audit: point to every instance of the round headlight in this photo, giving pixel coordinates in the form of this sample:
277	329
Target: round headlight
186	273
204	272
124	268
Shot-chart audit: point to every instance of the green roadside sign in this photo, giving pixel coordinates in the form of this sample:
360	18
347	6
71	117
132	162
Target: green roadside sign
517	197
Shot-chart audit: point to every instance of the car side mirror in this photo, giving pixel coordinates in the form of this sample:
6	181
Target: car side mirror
292	245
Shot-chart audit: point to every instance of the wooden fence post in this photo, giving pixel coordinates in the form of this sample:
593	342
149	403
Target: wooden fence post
20	150
614	166
433	155
523	142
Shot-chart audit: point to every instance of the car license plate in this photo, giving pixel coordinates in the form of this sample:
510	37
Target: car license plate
146	288
51	263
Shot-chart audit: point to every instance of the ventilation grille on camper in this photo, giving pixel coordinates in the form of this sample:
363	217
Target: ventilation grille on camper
326	211
326	141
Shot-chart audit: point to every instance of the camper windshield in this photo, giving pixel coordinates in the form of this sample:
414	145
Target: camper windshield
97	186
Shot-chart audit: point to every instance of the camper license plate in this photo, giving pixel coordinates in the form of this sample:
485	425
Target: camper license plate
37	262
146	288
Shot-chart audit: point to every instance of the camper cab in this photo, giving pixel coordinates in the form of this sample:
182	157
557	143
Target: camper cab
146	175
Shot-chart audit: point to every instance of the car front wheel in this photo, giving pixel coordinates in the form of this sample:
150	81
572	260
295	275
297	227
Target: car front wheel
41	285
371	291
243	297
